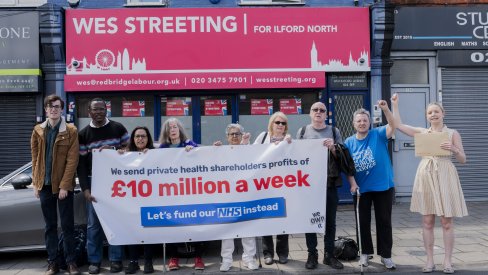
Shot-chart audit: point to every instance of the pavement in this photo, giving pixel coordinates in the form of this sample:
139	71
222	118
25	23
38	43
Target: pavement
470	251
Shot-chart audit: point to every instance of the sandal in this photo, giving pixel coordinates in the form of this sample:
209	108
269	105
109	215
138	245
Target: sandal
448	270
428	269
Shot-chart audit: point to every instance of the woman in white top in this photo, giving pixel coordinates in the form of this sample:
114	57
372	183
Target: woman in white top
277	132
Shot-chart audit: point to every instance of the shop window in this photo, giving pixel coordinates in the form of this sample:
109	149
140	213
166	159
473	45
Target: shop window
146	3
255	110
131	110
270	2
410	72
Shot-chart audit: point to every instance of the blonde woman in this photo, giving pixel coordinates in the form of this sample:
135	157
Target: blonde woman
437	190
277	132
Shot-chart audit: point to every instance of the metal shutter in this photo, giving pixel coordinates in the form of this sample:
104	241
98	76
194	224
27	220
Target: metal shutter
465	97
17	119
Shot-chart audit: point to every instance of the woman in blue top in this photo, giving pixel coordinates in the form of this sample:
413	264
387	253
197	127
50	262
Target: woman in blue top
374	176
173	136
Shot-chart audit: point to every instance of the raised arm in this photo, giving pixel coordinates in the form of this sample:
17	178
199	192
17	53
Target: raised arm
404	128
390	128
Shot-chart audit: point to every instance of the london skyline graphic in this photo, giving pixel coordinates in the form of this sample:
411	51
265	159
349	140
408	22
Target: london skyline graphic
105	62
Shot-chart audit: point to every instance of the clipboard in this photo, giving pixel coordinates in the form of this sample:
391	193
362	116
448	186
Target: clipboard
429	144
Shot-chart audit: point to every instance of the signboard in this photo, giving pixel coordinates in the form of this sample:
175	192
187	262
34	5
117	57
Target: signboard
177	107
19	54
133	108
291	106
458	58
210	192
427	28
348	81
261	106
213	48
215	107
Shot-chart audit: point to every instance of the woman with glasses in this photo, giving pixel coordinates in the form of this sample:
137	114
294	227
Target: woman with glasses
236	136
277	132
173	136
140	141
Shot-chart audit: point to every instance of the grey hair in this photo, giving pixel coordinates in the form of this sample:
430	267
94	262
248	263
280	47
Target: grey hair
164	135
234	125
361	111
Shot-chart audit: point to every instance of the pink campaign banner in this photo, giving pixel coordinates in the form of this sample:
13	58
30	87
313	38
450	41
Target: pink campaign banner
291	106
133	108
261	106
177	107
224	48
215	107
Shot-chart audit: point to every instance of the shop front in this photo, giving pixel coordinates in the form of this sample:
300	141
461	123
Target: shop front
211	67
19	85
440	55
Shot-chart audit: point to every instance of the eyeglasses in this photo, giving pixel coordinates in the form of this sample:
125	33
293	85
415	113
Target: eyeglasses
234	134
280	122
318	110
55	107
140	136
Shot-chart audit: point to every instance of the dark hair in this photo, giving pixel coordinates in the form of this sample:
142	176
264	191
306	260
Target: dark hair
51	98
96	99
132	144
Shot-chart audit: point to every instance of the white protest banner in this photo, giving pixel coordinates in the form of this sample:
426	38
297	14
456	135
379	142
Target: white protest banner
210	193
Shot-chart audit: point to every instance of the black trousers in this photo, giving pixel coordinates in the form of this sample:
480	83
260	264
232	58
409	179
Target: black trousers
282	248
382	201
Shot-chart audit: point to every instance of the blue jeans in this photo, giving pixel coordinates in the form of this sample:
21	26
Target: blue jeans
95	237
49	205
330	225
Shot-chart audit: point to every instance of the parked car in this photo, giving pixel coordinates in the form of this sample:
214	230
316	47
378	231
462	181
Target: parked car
20	212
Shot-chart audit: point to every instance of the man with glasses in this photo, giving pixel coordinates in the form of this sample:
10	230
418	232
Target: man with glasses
317	129
236	136
102	133
54	148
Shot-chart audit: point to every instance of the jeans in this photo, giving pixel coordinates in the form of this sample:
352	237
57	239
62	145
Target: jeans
330	225
49	205
383	203
282	248
95	237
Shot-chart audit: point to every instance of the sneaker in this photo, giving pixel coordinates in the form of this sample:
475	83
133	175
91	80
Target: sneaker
388	262
312	261
52	268
282	259
132	267
363	260
268	260
116	266
173	264
199	265
94	268
333	262
225	266
148	267
73	269
252	265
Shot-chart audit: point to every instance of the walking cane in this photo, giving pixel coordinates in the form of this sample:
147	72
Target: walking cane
164	258
258	250
359	229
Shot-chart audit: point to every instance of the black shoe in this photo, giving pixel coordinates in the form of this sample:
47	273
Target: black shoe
268	260
52	268
333	262
312	261
94	268
116	266
282	259
132	267
148	267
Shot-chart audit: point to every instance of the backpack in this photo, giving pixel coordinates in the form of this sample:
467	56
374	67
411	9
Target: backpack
345	248
81	257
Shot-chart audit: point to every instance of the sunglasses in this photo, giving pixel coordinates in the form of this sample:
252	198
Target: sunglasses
316	110
280	122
